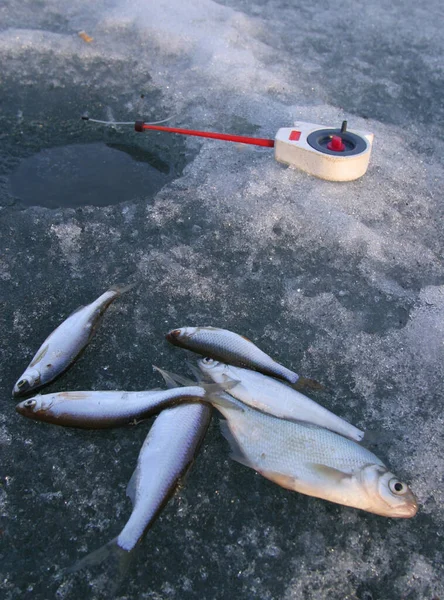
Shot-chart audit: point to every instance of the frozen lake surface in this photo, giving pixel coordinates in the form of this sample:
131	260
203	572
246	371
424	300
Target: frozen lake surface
343	283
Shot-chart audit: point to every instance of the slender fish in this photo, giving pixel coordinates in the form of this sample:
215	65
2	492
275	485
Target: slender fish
313	460
165	457
61	348
275	398
229	347
102	409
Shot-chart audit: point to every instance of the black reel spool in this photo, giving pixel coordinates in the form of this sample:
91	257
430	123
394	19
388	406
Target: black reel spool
322	138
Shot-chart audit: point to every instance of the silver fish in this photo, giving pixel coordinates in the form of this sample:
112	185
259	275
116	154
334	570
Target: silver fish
229	347
313	460
64	344
101	409
165	457
275	398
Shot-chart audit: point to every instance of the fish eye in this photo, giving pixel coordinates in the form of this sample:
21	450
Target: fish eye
175	333
397	487
29	403
22	383
208	361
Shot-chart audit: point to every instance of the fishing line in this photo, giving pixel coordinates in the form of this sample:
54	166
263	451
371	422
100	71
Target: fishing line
86	118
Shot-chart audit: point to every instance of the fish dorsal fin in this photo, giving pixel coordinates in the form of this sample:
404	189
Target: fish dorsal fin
39	356
246	339
131	487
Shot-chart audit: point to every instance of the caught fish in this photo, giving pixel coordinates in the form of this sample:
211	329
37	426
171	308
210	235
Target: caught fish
313	461
229	347
276	398
63	346
102	409
310	459
165	457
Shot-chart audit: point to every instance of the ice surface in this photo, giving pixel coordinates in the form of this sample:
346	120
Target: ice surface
341	282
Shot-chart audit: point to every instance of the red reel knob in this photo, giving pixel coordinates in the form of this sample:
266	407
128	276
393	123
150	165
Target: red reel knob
336	144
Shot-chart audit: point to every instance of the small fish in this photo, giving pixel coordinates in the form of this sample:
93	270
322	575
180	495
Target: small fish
275	398
102	409
166	456
310	459
230	348
313	461
63	346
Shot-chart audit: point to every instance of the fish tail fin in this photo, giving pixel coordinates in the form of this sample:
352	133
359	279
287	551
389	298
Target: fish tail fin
116	560
121	288
173	380
373	437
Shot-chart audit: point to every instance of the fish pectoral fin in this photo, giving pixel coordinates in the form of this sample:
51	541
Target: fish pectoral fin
39	356
229	382
330	473
286	481
236	451
217	397
196	372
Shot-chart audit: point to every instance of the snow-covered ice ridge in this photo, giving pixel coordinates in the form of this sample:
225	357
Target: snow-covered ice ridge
342	282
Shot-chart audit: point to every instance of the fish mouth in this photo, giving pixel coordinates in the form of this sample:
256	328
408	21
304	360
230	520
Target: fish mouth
22	409
406	511
173	335
21	390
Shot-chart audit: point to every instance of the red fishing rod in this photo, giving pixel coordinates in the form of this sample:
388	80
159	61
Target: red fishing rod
140	126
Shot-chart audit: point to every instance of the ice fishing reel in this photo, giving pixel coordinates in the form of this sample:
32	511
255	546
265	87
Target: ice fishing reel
325	152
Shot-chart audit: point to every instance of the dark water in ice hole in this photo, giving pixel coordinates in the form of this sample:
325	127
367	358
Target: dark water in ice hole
96	174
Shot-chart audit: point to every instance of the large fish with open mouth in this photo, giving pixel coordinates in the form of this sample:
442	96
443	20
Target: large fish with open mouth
63	346
102	409
229	347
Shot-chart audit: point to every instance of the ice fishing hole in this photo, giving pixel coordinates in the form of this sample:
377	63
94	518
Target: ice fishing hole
95	174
